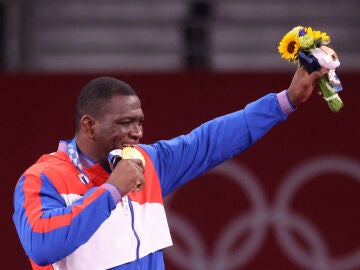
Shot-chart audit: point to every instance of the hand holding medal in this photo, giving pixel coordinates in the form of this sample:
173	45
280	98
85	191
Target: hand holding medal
127	176
308	48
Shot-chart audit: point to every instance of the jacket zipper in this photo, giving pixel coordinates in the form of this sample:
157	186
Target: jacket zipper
135	233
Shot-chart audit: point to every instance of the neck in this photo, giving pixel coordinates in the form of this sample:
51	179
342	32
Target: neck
89	148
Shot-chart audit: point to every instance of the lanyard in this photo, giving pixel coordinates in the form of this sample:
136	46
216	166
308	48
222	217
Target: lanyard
74	157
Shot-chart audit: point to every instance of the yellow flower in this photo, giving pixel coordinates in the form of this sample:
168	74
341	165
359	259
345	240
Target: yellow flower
318	34
289	46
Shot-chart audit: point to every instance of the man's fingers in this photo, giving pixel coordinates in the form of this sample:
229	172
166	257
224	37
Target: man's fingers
140	183
138	163
140	186
317	74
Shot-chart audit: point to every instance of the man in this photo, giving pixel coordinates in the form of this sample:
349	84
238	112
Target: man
75	210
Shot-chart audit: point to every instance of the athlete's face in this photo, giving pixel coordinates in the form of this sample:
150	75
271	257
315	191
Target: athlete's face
120	124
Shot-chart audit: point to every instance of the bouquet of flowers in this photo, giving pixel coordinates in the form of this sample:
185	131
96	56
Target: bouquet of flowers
309	48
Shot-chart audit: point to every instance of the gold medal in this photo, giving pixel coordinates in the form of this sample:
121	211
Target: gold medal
132	153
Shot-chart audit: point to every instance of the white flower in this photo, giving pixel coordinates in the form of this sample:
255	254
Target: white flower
326	56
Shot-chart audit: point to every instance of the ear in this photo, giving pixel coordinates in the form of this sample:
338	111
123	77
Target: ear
87	125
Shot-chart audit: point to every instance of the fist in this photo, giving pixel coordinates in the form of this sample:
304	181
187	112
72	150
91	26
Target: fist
128	176
303	85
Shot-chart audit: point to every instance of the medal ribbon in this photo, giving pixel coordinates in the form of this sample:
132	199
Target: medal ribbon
74	157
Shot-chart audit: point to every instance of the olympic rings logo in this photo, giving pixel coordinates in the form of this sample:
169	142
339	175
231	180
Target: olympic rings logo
283	219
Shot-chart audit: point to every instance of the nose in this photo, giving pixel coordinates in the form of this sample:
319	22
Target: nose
136	131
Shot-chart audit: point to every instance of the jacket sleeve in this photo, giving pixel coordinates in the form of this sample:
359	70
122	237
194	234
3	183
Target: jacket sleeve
180	159
48	229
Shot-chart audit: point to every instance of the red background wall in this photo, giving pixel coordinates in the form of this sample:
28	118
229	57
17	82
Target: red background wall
38	110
